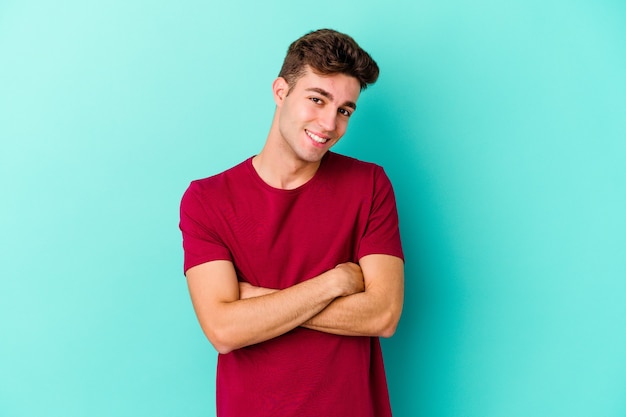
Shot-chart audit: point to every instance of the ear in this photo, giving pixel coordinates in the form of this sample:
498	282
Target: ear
280	88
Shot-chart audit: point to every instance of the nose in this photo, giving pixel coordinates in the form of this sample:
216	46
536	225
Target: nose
328	119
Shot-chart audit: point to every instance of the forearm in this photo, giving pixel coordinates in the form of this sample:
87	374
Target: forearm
249	321
375	311
362	314
233	315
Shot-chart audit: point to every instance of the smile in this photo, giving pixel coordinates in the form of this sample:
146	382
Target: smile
316	138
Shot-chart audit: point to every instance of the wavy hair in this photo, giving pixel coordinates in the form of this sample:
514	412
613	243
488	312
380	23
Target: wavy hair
328	52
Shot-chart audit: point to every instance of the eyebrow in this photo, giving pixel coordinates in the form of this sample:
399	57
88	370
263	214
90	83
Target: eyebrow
329	96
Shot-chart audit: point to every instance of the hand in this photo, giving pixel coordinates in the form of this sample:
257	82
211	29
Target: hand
351	277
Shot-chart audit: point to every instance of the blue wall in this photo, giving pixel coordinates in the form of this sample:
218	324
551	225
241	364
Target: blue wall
501	124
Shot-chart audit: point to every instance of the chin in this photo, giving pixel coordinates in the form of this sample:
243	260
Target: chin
313	158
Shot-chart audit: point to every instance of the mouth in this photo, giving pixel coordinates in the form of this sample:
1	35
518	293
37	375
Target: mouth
316	138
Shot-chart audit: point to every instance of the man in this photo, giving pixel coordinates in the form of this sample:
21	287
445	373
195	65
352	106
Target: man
293	257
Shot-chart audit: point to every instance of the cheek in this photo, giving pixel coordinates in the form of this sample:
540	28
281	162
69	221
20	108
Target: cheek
306	113
342	125
296	114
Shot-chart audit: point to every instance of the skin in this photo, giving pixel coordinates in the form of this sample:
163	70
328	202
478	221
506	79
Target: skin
351	299
316	104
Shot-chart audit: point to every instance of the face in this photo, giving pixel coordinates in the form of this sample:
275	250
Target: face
313	115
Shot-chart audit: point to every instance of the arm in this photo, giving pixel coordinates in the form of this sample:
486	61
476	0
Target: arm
376	311
230	322
373	312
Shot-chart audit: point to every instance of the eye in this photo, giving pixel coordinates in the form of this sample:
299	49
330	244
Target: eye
345	112
316	100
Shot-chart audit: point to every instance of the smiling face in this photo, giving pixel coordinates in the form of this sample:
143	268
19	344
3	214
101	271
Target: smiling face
313	114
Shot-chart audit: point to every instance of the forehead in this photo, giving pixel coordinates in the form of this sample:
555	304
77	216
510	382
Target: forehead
341	86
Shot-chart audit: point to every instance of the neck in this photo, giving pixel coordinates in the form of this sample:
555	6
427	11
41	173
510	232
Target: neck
281	173
278	165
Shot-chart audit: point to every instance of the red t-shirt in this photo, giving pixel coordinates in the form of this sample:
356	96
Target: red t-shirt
277	238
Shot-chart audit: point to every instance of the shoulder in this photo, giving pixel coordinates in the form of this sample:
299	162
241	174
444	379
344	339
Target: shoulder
213	189
341	167
219	182
342	163
359	179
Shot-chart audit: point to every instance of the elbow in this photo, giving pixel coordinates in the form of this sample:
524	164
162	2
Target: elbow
389	323
221	346
389	330
221	341
222	349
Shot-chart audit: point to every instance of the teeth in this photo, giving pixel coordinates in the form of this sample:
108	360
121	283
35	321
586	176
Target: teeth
316	138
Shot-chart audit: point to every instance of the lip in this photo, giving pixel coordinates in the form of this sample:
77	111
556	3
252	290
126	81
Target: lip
309	132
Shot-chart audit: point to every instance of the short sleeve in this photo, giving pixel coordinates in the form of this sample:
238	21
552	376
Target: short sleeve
201	242
382	233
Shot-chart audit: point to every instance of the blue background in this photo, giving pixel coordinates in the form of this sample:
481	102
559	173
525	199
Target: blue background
501	124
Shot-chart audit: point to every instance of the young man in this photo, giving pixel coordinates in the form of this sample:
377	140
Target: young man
293	257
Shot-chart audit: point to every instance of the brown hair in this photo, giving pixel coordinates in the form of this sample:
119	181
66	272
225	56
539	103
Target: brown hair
328	52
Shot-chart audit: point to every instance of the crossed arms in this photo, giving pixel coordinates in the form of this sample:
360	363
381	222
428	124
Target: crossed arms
362	299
